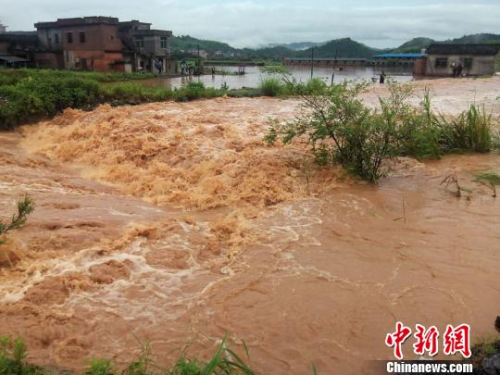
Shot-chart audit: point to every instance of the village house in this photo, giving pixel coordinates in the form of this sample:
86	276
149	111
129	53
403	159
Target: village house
145	48
16	48
474	59
88	43
92	43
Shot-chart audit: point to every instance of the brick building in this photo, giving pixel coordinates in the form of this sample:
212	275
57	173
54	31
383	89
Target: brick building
88	43
93	43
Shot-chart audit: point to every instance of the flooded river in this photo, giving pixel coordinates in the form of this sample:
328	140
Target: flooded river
254	75
173	223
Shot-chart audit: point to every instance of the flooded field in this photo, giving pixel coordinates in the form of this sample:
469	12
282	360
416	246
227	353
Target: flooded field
173	223
253	76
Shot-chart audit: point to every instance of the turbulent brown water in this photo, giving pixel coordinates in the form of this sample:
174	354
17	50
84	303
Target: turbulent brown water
172	223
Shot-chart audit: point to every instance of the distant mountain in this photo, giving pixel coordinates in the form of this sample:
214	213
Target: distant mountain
271	53
345	47
415	45
186	43
298	46
477	38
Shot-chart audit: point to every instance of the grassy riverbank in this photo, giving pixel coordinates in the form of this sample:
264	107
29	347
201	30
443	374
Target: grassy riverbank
30	95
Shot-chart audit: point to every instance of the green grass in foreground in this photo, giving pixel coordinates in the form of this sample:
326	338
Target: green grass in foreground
224	361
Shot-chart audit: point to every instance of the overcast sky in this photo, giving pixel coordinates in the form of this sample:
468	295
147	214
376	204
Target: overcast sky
254	23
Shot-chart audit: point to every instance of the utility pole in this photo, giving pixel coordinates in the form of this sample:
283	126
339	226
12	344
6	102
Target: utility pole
312	62
199	65
334	63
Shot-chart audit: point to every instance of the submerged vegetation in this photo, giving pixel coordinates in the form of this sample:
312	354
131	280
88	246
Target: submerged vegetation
490	179
25	206
13	358
342	129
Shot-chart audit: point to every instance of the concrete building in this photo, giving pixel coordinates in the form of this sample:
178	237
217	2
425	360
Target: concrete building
146	49
474	59
3	28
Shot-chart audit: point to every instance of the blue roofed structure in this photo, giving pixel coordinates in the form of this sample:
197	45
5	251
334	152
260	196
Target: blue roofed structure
411	55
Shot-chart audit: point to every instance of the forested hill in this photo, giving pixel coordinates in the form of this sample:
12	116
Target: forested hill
345	47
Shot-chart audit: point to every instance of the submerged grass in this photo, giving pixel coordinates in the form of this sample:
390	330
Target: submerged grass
13	358
272	86
25	207
485	348
491	177
471	130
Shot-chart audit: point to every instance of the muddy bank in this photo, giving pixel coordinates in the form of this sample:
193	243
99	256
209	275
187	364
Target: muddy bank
173	223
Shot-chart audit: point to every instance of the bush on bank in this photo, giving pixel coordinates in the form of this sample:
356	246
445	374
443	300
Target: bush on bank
12	76
342	129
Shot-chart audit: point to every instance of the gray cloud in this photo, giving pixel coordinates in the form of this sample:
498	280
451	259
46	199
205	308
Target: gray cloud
255	23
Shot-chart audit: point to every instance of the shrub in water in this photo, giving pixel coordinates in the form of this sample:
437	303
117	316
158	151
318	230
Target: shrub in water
341	129
272	86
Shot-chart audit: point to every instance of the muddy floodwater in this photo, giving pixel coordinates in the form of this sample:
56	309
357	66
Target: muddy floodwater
254	75
173	223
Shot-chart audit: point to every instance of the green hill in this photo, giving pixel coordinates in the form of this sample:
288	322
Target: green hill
415	45
271	53
477	38
345	47
340	48
186	42
297	46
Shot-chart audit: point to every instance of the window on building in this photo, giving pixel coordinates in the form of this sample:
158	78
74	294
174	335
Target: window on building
56	39
163	42
82	37
69	38
139	42
468	63
442	62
